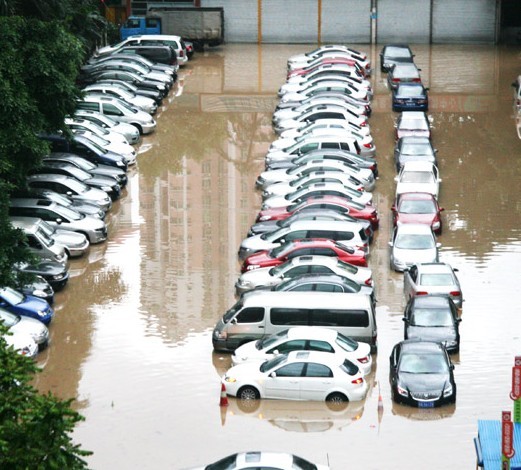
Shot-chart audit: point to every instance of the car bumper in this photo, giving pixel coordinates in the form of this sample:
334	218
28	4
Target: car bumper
149	128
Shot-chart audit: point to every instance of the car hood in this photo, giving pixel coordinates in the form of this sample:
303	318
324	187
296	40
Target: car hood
256	243
415	256
275	176
29	326
259	277
249	351
281	144
431	188
424	383
413	158
45	268
68	238
260	259
434	333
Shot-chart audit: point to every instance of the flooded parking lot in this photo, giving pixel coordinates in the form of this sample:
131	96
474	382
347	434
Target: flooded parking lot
131	339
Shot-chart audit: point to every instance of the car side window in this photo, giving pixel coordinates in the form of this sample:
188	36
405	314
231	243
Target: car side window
322	234
324	287
301	252
250	315
307	148
296	235
295	345
330	145
318	269
336	208
297	271
324	346
111	110
303	288
318	370
291	370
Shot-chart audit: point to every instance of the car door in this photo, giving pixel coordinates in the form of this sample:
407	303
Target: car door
249	323
410	282
317	380
284	382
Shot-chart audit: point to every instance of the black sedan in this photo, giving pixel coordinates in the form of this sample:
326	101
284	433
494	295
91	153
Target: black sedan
56	274
392	54
433	318
421	374
410	97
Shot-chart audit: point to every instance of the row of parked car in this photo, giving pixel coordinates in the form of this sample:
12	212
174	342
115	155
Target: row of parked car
421	372
304	325
64	207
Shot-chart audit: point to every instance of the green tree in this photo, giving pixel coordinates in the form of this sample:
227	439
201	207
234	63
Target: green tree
34	429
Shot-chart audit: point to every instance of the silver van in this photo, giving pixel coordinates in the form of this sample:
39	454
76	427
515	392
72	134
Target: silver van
39	242
261	313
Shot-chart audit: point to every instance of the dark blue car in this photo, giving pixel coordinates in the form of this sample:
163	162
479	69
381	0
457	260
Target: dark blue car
26	305
410	97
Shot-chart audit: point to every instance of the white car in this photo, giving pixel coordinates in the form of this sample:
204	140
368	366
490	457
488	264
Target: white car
148	105
263	460
364	175
281	189
306	338
359	84
79	124
23	325
130	132
432	278
329	51
344	69
327	86
336	189
23	344
418	177
412	244
302	265
298	375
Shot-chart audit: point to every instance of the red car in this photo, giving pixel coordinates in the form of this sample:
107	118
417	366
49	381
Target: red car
417	208
305	246
330	60
346	206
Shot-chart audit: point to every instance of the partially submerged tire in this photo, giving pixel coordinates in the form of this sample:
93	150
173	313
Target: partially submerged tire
248	393
337	398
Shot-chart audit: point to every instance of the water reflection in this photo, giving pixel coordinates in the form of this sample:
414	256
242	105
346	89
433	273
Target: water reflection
298	416
423	414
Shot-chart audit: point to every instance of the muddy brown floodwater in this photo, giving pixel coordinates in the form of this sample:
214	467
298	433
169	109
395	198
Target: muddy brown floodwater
131	340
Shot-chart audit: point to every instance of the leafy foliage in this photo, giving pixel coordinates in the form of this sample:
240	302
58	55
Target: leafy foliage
34	429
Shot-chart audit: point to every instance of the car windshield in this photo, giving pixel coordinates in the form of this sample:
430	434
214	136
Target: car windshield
273	235
98	140
438	279
231	313
347	267
276	252
270	340
57	197
417	177
83	164
412	241
77	186
271	363
349	368
410	91
416	149
418	363
70	214
431	317
78	173
347	344
11	296
46	232
8	319
417	207
91	144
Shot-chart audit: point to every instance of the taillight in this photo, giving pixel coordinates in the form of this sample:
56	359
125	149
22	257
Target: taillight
373	167
181	53
367	146
416	80
363	360
455	293
363	124
369	282
422	293
357	381
395	80
360	189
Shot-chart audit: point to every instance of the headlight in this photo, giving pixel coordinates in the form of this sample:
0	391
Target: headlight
39	293
230	379
264	218
402	391
447	391
243	283
42	313
120	164
252	266
107	189
57	276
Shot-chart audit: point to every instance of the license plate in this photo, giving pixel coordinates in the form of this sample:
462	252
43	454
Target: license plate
425	404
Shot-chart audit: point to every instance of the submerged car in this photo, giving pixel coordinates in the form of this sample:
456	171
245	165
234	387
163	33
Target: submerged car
26	305
25	325
305	338
417	208
292	249
433	278
312	264
433	318
410	97
412	148
411	244
297	375
56	274
392	54
419	177
413	123
421	374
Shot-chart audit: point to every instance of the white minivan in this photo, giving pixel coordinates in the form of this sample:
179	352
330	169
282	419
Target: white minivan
261	313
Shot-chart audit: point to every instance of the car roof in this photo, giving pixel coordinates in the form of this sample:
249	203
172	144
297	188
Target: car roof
414	228
418	165
413	115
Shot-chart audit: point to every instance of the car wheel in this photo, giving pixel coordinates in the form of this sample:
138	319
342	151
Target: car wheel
138	127
336	397
248	393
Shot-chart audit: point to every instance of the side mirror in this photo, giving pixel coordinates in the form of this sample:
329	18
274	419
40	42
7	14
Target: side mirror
459	320
396	178
273	375
405	320
452	367
58	220
438	245
406	270
233	321
276	352
390	243
393	208
427	88
439	180
442	209
456	270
